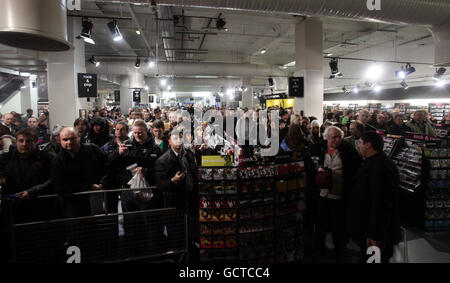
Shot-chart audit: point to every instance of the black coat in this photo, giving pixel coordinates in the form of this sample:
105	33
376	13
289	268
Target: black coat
374	208
394	129
175	194
350	163
145	155
102	138
77	173
27	174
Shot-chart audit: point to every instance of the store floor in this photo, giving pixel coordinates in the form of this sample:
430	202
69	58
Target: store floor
422	247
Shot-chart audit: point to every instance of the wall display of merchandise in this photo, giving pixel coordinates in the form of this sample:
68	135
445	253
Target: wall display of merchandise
252	214
438	110
408	158
437	192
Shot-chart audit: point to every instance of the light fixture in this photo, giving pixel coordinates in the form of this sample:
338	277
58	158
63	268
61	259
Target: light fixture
220	24
368	84
169	88
329	54
94	61
334	69
377	88
374	72
441	83
114	29
356	89
404	72
22	85
138	32
86	31
263	51
149	62
146	87
137	65
25	75
439	73
404	85
163	82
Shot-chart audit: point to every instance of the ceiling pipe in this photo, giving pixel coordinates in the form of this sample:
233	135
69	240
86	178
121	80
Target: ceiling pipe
138	25
189	69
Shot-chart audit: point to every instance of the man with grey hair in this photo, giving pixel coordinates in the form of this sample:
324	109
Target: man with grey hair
332	165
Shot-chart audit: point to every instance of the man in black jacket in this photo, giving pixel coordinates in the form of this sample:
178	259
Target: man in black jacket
176	176
77	168
141	153
336	163
398	127
99	132
374	208
25	174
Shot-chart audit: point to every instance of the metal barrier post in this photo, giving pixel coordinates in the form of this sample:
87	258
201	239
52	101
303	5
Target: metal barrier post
186	226
405	244
11	224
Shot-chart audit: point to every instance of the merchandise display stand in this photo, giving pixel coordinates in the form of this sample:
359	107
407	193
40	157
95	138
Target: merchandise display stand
437	194
252	214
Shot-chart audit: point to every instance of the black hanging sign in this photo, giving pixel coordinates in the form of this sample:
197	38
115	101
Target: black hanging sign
296	87
117	95
151	99
137	96
87	85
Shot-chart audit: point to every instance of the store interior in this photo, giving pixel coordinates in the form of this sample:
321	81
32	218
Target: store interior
244	54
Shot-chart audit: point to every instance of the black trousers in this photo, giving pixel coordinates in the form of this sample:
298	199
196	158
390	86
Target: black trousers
330	217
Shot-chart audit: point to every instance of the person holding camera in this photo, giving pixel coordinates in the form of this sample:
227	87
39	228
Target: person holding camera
332	166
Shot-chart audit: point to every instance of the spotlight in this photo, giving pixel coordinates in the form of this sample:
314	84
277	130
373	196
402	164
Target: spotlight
146	87
404	72
374	72
220	23
163	82
169	88
114	29
345	91
356	89
138	32
86	31
334	69
138	63
263	51
439	73
377	88
230	92
94	61
404	85
150	62
441	83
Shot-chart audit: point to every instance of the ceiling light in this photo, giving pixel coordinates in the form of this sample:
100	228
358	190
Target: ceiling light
329	54
114	29
146	87
441	83
345	91
169	88
163	82
137	65
439	73
94	61
404	85
150	62
230	92
25	75
86	31
356	89
377	88
263	51
220	23
374	72
404	72
138	32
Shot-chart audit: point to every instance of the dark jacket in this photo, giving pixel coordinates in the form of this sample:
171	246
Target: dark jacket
176	195
374	209
145	155
102	138
165	145
4	130
73	173
30	174
394	129
350	163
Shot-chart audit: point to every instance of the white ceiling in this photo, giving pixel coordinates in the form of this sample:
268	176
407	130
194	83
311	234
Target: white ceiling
248	33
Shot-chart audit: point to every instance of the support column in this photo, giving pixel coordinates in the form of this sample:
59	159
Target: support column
126	95
309	64
247	95
25	97
63	69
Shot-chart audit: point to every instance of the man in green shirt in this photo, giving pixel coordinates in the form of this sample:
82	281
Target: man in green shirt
158	133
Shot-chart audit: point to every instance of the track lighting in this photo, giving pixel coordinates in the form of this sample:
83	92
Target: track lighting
86	31
439	73
404	72
334	69
114	29
220	24
404	85
137	65
94	61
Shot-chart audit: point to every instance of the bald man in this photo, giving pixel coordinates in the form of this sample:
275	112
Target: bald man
7	127
77	168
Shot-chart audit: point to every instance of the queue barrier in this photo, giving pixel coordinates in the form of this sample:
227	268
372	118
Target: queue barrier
151	235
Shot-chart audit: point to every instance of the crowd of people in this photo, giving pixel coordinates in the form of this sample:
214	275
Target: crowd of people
352	184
